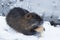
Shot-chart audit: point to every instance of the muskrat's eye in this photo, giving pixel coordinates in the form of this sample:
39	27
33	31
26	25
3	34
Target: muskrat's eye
28	16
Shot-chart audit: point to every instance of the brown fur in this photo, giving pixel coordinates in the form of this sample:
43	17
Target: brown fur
21	20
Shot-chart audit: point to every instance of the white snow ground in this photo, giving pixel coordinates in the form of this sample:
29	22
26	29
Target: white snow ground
7	33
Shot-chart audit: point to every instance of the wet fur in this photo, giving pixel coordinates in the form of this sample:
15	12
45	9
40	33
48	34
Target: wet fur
22	20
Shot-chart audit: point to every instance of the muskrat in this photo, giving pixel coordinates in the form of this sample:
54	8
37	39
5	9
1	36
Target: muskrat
23	21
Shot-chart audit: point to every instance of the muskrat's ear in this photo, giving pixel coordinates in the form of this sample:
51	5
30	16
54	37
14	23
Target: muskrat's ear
28	16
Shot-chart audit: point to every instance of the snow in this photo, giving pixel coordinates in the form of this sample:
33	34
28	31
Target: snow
7	33
51	32
39	6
